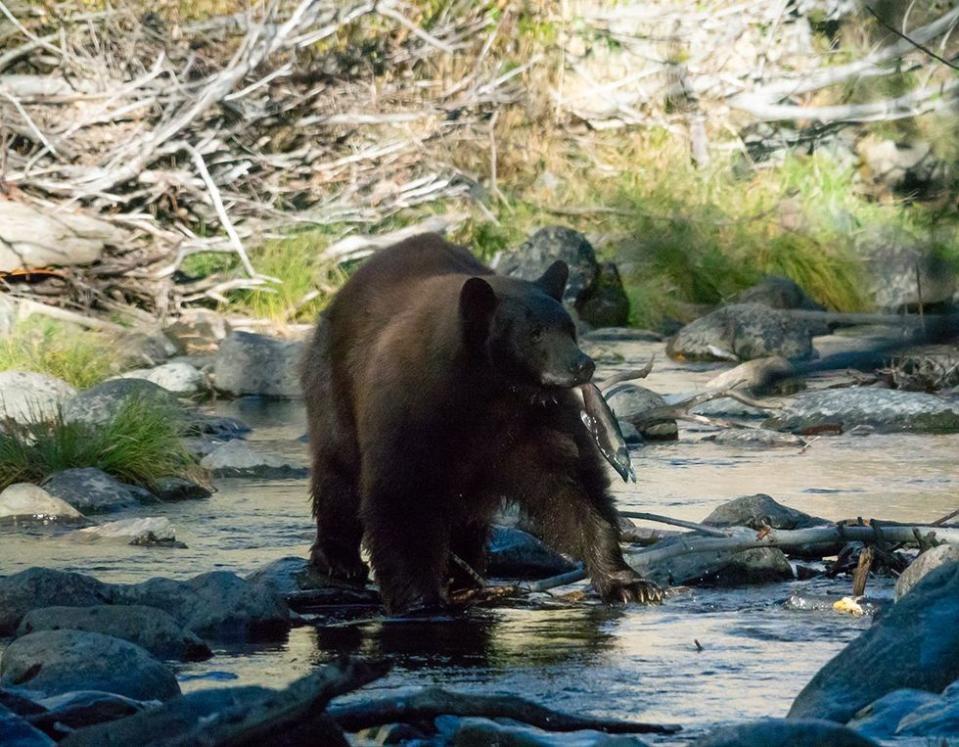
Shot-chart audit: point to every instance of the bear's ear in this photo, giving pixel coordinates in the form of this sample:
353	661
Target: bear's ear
554	279
477	304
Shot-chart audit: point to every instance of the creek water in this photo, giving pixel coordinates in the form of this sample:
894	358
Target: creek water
706	656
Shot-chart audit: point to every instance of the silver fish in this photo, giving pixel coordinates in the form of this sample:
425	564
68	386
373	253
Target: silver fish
604	428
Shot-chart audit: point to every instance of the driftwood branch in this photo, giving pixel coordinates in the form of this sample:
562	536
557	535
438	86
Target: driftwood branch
660	519
914	42
430	703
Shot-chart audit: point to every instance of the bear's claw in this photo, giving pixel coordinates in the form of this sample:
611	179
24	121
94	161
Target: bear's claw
628	586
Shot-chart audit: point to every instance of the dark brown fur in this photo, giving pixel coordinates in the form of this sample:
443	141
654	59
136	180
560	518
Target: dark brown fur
417	437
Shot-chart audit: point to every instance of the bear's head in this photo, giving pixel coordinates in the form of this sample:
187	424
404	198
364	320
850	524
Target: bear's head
523	330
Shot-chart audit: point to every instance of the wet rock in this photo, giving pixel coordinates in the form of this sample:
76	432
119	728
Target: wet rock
633	403
151	531
742	332
778	292
59	661
481	732
91	490
727	407
180	379
925	564
179	489
756	438
621	334
631	434
218	605
148	627
27	501
881	719
238	715
37	236
99	404
242	459
937	718
296	581
81	708
914	645
248	363
513	553
43	587
27	397
17	732
19	704
176	716
197	331
282	576
892	257
885	410
759	565
221	427
785	733
760	510
606	303
761	376
594	292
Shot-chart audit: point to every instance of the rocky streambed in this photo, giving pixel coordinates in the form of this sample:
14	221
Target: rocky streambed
711	655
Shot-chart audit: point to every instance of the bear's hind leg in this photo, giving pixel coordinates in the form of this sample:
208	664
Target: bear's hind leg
339	531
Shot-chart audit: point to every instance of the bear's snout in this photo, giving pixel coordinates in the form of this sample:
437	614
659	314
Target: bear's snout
582	368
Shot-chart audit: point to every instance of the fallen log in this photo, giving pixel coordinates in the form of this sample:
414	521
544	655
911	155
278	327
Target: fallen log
432	702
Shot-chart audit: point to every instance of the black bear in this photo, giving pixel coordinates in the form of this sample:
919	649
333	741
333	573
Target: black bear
435	390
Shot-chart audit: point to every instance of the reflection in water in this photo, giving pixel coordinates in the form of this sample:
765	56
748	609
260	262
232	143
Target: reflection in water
479	638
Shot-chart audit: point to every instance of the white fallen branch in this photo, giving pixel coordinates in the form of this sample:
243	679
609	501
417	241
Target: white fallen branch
357	247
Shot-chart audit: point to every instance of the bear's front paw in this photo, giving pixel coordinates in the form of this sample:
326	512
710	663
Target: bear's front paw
628	586
336	570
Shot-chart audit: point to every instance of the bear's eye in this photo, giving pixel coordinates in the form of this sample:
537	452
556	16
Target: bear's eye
536	334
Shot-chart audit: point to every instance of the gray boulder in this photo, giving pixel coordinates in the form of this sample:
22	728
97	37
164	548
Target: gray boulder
23	501
886	410
43	587
758	565
937	718
923	565
92	490
59	661
179	378
27	397
17	732
218	605
778	292
760	510
594	292
152	531
785	733
632	404
75	710
881	719
248	363
179	489
242	459
892	257
99	404
148	627
513	553
914	645
742	332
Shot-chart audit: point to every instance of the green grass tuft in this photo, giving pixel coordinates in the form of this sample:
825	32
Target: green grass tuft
139	445
80	358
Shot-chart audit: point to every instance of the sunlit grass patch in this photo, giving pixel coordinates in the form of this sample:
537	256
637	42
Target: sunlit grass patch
80	358
139	445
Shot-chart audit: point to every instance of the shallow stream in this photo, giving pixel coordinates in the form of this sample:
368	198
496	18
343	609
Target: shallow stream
753	655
